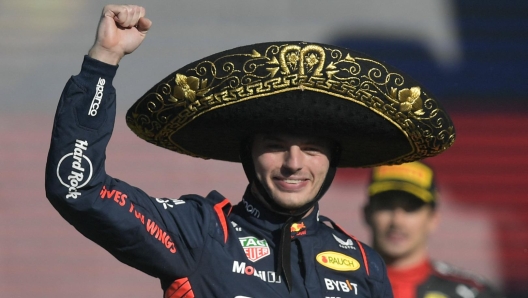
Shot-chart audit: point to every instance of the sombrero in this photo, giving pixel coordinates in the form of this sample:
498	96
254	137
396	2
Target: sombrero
377	114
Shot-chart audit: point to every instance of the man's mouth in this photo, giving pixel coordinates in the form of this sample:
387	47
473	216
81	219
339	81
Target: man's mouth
289	184
396	236
293	181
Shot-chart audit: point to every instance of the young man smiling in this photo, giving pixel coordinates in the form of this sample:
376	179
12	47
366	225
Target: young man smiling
291	168
289	112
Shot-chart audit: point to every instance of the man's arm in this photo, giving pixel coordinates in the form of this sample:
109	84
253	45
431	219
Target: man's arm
149	234
85	116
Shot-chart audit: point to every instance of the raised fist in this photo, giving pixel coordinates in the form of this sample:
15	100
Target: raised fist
121	30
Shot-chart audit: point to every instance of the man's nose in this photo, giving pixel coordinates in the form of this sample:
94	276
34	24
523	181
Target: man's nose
398	214
293	159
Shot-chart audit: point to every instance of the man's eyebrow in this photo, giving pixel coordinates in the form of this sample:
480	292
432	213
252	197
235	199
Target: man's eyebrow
303	141
272	138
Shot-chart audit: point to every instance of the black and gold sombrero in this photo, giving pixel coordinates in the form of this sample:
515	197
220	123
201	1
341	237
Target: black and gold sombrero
376	113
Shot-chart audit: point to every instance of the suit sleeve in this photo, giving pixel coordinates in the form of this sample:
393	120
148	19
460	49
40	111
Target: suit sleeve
161	237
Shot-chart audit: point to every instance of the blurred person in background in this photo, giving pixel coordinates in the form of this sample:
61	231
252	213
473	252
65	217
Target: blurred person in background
289	112
402	213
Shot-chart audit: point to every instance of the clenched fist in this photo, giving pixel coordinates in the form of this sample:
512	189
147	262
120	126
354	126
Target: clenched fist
121	30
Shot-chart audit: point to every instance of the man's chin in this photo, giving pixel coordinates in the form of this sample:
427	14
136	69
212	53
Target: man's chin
291	203
396	253
289	206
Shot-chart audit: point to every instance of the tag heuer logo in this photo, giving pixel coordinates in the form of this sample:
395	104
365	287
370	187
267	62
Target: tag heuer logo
254	248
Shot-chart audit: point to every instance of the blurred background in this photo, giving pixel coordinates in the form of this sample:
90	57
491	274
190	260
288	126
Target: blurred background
473	55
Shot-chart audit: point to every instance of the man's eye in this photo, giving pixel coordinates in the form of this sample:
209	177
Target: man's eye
312	149
274	146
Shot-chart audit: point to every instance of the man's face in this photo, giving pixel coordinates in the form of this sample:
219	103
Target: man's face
400	225
291	168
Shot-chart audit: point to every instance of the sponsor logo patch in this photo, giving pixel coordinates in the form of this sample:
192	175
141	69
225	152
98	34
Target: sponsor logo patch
267	276
169	203
122	200
337	261
254	248
75	169
251	209
96	101
161	235
116	195
348	244
235	225
297	227
340	286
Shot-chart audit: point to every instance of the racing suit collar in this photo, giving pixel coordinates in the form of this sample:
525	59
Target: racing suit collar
256	213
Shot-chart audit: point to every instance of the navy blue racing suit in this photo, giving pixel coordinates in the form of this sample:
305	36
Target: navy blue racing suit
196	246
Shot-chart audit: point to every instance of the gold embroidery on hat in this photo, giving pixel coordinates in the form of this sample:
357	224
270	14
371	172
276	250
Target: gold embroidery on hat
186	91
240	77
306	60
409	100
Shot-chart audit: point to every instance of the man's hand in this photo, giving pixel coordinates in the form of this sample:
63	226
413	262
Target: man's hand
121	30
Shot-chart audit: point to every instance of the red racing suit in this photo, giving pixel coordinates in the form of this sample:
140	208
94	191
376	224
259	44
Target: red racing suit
434	279
196	246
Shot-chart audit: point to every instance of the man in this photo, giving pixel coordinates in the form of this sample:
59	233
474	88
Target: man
290	112
402	213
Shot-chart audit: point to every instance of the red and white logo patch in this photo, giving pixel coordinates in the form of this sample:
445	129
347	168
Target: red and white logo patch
254	248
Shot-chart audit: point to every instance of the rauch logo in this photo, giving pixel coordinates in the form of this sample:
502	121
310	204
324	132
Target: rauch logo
337	261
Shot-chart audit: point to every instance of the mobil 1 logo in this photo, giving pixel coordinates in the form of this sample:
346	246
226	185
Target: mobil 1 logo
75	169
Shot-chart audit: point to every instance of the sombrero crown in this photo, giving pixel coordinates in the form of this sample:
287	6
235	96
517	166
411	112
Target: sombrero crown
377	114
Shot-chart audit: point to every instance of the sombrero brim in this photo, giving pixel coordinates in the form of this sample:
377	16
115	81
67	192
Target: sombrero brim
377	114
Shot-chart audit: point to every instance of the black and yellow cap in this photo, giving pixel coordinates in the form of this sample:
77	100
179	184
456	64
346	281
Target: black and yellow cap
415	178
377	114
